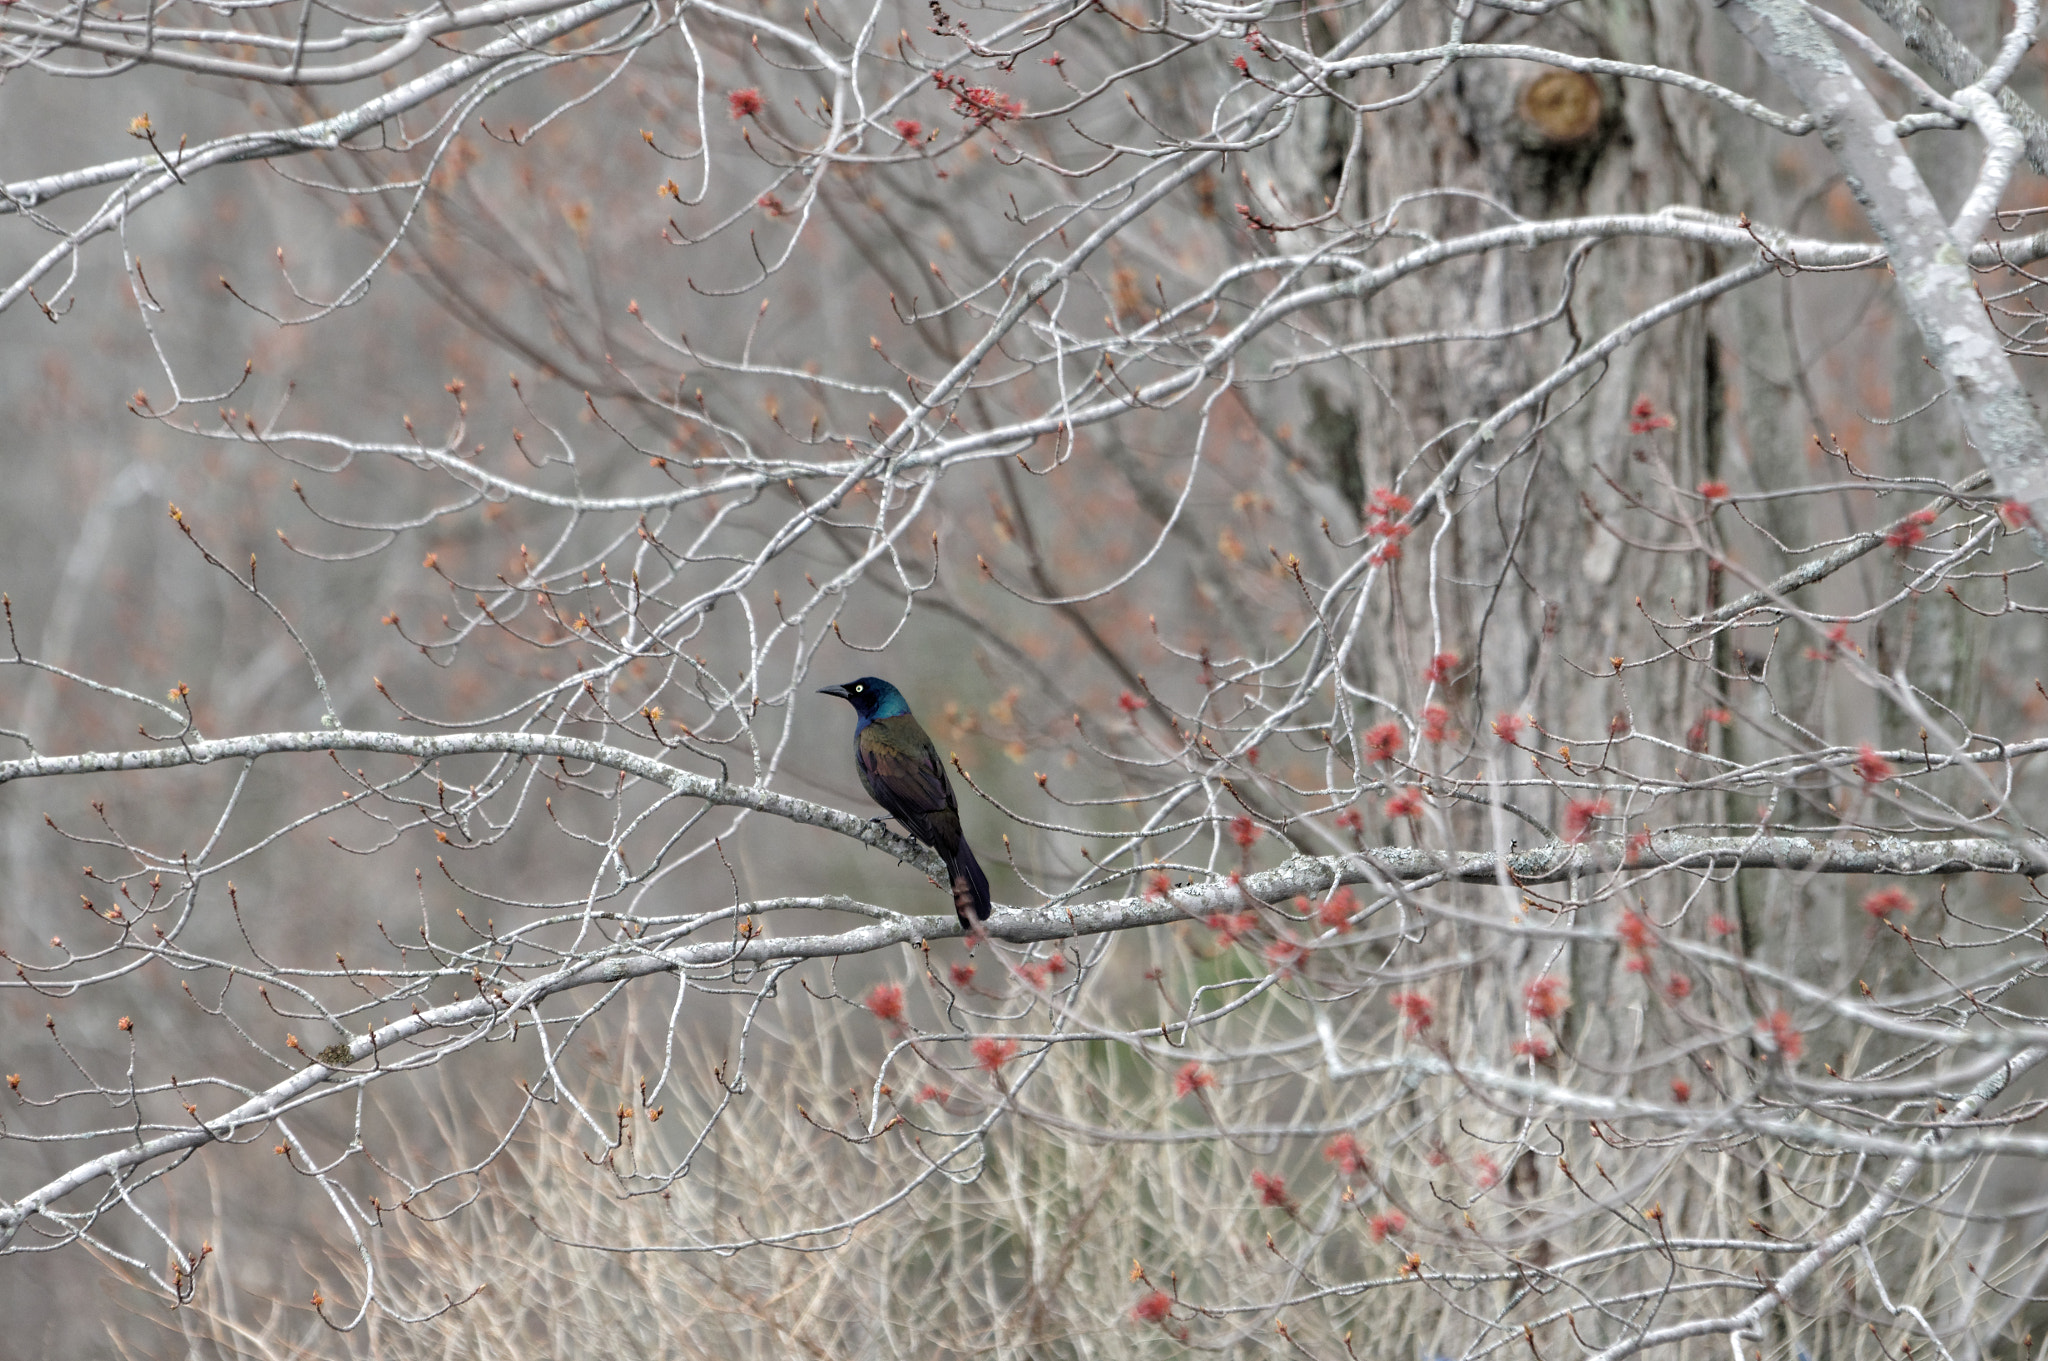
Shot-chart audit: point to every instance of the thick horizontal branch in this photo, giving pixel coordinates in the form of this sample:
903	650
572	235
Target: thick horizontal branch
1550	863
682	783
634	959
1559	860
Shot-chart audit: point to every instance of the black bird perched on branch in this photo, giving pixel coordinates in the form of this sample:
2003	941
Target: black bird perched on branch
900	769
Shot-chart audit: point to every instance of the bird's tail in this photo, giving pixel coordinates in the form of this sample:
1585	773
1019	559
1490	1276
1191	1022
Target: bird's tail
970	887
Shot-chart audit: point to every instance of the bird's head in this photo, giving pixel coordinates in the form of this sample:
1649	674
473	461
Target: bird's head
871	698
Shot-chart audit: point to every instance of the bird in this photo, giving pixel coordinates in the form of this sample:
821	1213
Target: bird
900	769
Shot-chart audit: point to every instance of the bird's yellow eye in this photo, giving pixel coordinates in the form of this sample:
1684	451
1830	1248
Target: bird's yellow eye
858	688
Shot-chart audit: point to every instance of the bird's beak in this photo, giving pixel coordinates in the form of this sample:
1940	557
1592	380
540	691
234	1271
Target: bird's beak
839	691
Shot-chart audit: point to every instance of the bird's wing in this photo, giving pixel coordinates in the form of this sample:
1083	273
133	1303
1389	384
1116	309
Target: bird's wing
901	769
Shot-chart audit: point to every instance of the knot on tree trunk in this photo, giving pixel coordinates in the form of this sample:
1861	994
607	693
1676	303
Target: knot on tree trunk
1559	109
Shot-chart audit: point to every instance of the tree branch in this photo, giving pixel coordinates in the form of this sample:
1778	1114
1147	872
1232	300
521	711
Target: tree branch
1929	39
1936	287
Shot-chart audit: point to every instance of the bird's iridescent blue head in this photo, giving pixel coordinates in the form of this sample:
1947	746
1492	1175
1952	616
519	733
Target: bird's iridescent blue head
871	698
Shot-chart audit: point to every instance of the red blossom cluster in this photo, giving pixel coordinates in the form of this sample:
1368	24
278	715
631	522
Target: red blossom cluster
744	103
1838	641
885	1000
992	1053
1485	1171
1244	831
1383	512
1192	1078
1911	531
1644	417
1696	735
1129	702
1635	938
962	975
1436	723
1782	1036
1406	804
1417	1010
1581	814
1334	912
1384	1223
2015	514
1272	1190
1678	987
1440	668
1232	927
1346	1154
1382	742
1721	926
909	129
1508	727
1157	884
1681	1090
1038	972
1156	1307
1546	997
1873	768
1535	1049
1714	491
1285	956
1351	820
978	103
1886	901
